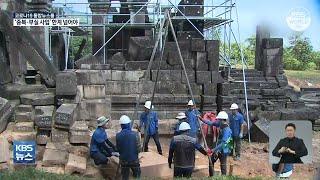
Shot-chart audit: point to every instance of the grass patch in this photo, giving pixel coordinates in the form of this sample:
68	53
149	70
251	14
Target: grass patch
309	76
34	174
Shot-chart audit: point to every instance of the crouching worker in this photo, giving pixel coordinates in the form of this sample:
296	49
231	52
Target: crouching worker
182	150
221	151
128	144
283	170
100	147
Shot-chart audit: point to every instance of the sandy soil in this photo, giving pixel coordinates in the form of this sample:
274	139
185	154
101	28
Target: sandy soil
254	161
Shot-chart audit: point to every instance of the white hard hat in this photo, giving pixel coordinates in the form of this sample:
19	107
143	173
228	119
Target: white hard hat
190	103
181	115
223	115
234	106
147	105
124	119
184	126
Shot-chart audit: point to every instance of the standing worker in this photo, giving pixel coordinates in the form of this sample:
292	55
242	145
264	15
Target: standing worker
221	151
236	124
100	147
128	144
192	119
182	118
182	150
153	126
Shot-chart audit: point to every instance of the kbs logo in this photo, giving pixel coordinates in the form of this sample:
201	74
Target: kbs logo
24	152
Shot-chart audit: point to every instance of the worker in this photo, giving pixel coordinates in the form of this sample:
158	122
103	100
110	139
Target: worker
100	147
237	126
128	144
192	119
182	150
153	126
282	170
182	118
221	151
291	148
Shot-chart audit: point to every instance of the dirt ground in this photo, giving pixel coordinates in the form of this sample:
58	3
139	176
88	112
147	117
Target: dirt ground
254	161
297	83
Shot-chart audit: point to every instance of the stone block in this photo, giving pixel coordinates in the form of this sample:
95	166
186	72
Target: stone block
203	77
260	131
13	91
271	65
24	116
100	66
66	114
127	75
267	92
93	109
140	48
76	164
212	45
154	165
59	135
172	47
294	105
163	66
174	58
53	157
126	88
269	115
43	137
24	127
24	108
279	92
93	172
66	83
189	64
216	77
272	43
53	169
213	59
191	76
117	58
88	59
136	65
79	133
175	67
192	10
43	116
186	36
198	44
202	65
268	107
4	149
94	91
171	87
119	67
167	75
196	89
38	99
23	136
86	66
223	88
210	89
93	77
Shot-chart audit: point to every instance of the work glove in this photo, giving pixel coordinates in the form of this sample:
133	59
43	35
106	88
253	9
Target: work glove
240	135
116	154
170	165
209	151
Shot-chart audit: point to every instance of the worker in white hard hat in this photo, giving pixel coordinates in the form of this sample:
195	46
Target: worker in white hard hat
152	117
181	118
237	126
182	152
129	146
221	151
192	119
100	147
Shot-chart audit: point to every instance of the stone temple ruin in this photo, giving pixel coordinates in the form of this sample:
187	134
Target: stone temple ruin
57	106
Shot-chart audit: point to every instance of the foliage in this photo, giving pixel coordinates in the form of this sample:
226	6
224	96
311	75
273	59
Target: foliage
76	41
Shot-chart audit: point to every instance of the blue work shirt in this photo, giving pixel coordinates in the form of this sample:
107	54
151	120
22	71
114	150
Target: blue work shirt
226	134
235	123
193	122
99	136
128	144
153	124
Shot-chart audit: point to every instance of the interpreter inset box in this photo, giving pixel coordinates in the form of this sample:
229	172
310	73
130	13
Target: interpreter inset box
290	142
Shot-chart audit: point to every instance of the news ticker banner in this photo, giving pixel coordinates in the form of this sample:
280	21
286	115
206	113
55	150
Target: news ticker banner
42	19
24	152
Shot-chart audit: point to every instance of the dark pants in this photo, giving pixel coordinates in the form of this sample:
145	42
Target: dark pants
99	158
223	164
134	166
179	172
237	145
156	140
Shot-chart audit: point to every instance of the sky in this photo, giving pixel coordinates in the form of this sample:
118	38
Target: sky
253	12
